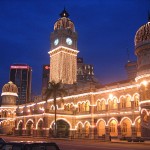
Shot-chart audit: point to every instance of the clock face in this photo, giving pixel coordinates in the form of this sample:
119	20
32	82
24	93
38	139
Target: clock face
56	41
69	41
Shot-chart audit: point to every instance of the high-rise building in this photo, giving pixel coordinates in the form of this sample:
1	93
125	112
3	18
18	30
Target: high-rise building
63	53
45	77
85	72
20	74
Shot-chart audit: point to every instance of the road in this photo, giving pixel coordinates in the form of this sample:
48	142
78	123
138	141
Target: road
65	144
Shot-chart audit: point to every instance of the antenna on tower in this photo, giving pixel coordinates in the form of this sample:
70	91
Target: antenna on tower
128	55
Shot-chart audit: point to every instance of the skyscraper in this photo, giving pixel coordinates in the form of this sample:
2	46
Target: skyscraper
21	75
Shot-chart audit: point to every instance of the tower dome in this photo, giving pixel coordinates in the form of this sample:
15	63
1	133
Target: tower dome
64	22
142	50
10	87
9	94
143	34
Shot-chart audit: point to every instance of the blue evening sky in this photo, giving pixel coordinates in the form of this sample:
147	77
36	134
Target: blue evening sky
106	29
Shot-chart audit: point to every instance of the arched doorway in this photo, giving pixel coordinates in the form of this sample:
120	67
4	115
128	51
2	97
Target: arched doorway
87	129
29	128
63	128
126	128
40	128
113	128
20	128
138	127
101	128
79	130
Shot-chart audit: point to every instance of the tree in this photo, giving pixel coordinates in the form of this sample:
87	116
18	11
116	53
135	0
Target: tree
55	90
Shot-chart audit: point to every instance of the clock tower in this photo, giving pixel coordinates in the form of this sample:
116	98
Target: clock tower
63	52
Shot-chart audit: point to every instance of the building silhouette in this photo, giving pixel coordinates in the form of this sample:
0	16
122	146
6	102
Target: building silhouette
21	75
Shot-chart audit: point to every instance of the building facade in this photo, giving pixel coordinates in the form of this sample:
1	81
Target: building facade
21	75
63	53
120	109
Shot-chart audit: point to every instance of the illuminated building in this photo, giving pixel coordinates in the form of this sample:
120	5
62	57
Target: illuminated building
20	74
63	53
120	109
85	72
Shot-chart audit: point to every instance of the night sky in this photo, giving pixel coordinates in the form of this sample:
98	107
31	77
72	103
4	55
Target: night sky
106	29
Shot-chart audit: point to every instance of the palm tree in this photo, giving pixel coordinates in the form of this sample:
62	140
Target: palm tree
54	90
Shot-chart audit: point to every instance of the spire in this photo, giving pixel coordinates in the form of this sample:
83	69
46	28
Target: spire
64	13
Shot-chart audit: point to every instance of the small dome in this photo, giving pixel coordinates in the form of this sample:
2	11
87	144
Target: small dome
64	22
10	87
143	34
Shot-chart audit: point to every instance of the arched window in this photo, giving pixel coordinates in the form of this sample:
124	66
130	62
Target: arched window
83	107
103	105
112	127
115	103
87	129
136	101
87	107
110	104
124	128
128	101
98	106
79	107
123	102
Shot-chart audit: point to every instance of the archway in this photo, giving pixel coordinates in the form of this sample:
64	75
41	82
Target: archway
101	128
20	128
113	127
138	127
126	128
29	128
79	130
63	128
40	128
87	129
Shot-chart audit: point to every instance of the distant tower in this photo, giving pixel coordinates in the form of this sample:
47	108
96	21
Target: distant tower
63	53
8	107
20	74
45	78
142	50
9	94
131	69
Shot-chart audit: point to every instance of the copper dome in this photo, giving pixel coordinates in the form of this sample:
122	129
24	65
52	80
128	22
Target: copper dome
10	87
143	34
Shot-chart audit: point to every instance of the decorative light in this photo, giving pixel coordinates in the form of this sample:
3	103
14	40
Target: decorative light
142	76
138	117
143	102
110	96
64	48
63	65
144	83
9	93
